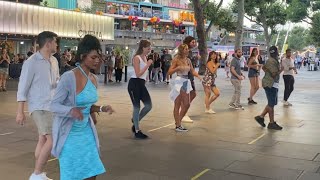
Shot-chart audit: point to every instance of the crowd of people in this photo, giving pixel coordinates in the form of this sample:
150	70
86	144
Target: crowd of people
64	107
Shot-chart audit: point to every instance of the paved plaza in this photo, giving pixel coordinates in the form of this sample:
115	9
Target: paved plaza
228	145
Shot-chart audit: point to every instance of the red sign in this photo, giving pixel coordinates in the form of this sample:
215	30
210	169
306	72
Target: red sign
176	5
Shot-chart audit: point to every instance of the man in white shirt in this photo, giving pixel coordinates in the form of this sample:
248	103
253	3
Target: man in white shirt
38	80
289	70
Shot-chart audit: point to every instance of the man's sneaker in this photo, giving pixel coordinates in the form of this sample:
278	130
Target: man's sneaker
232	105
274	126
286	103
209	111
187	119
260	120
239	107
251	101
181	129
140	135
42	176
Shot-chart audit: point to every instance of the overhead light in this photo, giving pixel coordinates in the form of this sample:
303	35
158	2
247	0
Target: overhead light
22	42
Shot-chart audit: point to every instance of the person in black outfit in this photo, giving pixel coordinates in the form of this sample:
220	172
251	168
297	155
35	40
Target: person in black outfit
137	88
30	52
118	66
166	63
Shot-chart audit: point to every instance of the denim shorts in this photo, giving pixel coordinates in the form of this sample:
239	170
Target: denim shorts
272	96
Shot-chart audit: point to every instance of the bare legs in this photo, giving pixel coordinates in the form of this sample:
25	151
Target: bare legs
42	153
254	82
209	100
181	106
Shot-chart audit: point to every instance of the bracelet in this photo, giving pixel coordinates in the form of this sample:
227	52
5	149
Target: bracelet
101	109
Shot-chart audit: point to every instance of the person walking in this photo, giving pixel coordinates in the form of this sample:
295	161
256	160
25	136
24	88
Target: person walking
253	75
37	84
191	43
137	89
208	81
4	69
75	138
181	87
270	83
118	66
289	69
236	78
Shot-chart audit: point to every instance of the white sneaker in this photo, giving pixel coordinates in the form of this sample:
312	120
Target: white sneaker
286	103
181	129
42	176
187	119
209	111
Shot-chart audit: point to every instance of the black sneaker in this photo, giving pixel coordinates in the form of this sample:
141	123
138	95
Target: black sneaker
251	101
140	135
260	120
274	126
133	129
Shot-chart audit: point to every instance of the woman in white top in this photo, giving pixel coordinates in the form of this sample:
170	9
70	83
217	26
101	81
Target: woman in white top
181	86
137	89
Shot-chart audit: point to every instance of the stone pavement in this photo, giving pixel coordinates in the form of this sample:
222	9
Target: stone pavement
228	145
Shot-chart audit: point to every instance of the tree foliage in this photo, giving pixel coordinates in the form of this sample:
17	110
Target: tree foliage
306	11
267	13
218	16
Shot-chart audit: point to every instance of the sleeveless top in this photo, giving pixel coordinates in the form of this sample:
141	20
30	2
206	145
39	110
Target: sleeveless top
186	69
142	65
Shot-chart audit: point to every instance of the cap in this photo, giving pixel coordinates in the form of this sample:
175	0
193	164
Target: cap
273	50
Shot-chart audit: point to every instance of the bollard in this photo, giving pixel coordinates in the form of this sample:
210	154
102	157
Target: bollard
105	74
125	73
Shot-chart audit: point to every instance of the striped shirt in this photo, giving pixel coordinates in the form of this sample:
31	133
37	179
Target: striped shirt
38	81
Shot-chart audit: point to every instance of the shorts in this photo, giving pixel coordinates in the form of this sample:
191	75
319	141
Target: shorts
4	71
272	96
43	120
253	73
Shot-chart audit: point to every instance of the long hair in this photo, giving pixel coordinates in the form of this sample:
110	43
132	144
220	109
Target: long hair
215	60
188	40
142	44
254	54
181	54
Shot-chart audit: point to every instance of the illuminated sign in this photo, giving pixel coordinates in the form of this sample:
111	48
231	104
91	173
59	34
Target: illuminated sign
18	18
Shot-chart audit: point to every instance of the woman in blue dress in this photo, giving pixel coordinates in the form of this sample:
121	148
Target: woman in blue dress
76	143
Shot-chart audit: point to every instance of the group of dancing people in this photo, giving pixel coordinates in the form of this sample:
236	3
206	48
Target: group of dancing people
64	108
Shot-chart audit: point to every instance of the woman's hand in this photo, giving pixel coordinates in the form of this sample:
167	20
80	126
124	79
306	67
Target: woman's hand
108	109
76	112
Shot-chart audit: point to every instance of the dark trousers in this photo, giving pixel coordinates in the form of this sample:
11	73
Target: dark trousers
118	73
288	86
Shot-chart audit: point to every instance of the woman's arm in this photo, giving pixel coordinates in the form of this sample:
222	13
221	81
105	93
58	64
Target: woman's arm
136	65
212	68
174	67
250	65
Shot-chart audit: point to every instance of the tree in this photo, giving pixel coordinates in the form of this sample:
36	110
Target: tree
199	7
307	11
297	38
266	13
239	31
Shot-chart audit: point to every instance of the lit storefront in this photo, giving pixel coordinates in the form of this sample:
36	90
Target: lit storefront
23	22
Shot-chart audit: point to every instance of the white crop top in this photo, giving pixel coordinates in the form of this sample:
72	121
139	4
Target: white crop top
142	65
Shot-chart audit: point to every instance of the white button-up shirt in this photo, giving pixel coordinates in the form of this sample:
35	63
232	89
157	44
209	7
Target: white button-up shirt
38	81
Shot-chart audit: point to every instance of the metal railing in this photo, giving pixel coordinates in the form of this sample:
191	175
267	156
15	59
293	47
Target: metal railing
147	35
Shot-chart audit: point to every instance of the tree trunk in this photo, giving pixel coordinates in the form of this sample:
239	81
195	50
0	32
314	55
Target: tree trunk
267	36
198	12
239	31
